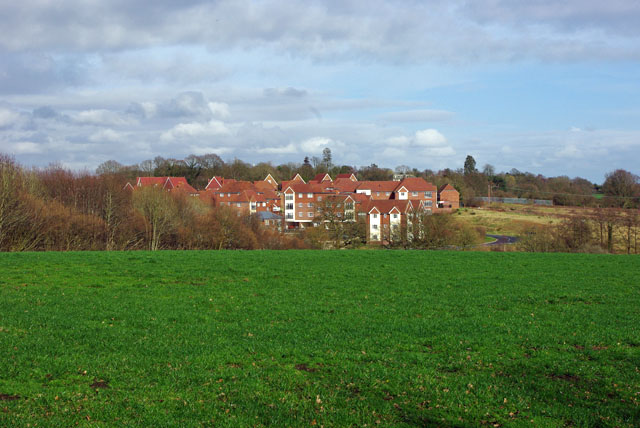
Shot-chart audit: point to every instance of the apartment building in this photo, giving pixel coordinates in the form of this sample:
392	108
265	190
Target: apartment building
387	220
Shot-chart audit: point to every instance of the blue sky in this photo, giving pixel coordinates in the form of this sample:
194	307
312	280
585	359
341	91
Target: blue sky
541	86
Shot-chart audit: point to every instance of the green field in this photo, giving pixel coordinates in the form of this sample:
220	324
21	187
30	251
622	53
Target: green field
329	338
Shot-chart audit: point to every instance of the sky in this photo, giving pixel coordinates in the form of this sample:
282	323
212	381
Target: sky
543	86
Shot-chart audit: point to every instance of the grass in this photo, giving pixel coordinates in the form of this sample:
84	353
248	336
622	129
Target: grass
312	338
513	220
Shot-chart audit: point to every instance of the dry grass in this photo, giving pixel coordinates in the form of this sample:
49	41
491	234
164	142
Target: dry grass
514	220
507	219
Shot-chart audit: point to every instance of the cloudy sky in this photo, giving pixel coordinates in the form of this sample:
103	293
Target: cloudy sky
538	85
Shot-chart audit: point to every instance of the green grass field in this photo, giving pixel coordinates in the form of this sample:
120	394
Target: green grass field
319	338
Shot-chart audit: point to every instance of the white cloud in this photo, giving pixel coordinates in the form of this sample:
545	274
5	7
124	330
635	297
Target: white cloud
429	138
220	110
315	145
26	148
106	136
282	150
102	117
400	141
8	117
149	109
195	130
201	150
439	151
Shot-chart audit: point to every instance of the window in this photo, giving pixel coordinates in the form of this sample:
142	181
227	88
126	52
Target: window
288	197
374	237
384	215
309	214
388	193
375	226
289	216
237	204
377	193
300	204
299	214
428	194
348	206
228	195
375	216
428	203
319	198
395	216
300	195
288	207
310	205
309	195
414	193
221	195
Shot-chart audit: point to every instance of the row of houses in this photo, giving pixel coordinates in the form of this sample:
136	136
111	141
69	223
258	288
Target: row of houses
384	206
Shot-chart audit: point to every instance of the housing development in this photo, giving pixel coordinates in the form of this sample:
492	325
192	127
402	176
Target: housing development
387	208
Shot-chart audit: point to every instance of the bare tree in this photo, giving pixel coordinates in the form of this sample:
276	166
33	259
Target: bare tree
157	207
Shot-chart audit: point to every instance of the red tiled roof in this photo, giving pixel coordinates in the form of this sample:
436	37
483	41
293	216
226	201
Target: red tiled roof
345	185
232	186
360	198
150	181
215	183
446	187
307	188
346	175
234	198
416	184
378	186
386	205
263	186
319	178
270	194
179	183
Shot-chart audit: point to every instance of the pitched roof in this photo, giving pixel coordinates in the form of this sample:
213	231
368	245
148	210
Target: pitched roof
446	187
215	183
179	183
345	185
349	176
263	186
232	186
269	179
416	184
377	186
385	206
307	188
360	198
150	181
319	178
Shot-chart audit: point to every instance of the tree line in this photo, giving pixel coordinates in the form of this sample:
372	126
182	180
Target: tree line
620	188
58	209
596	230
